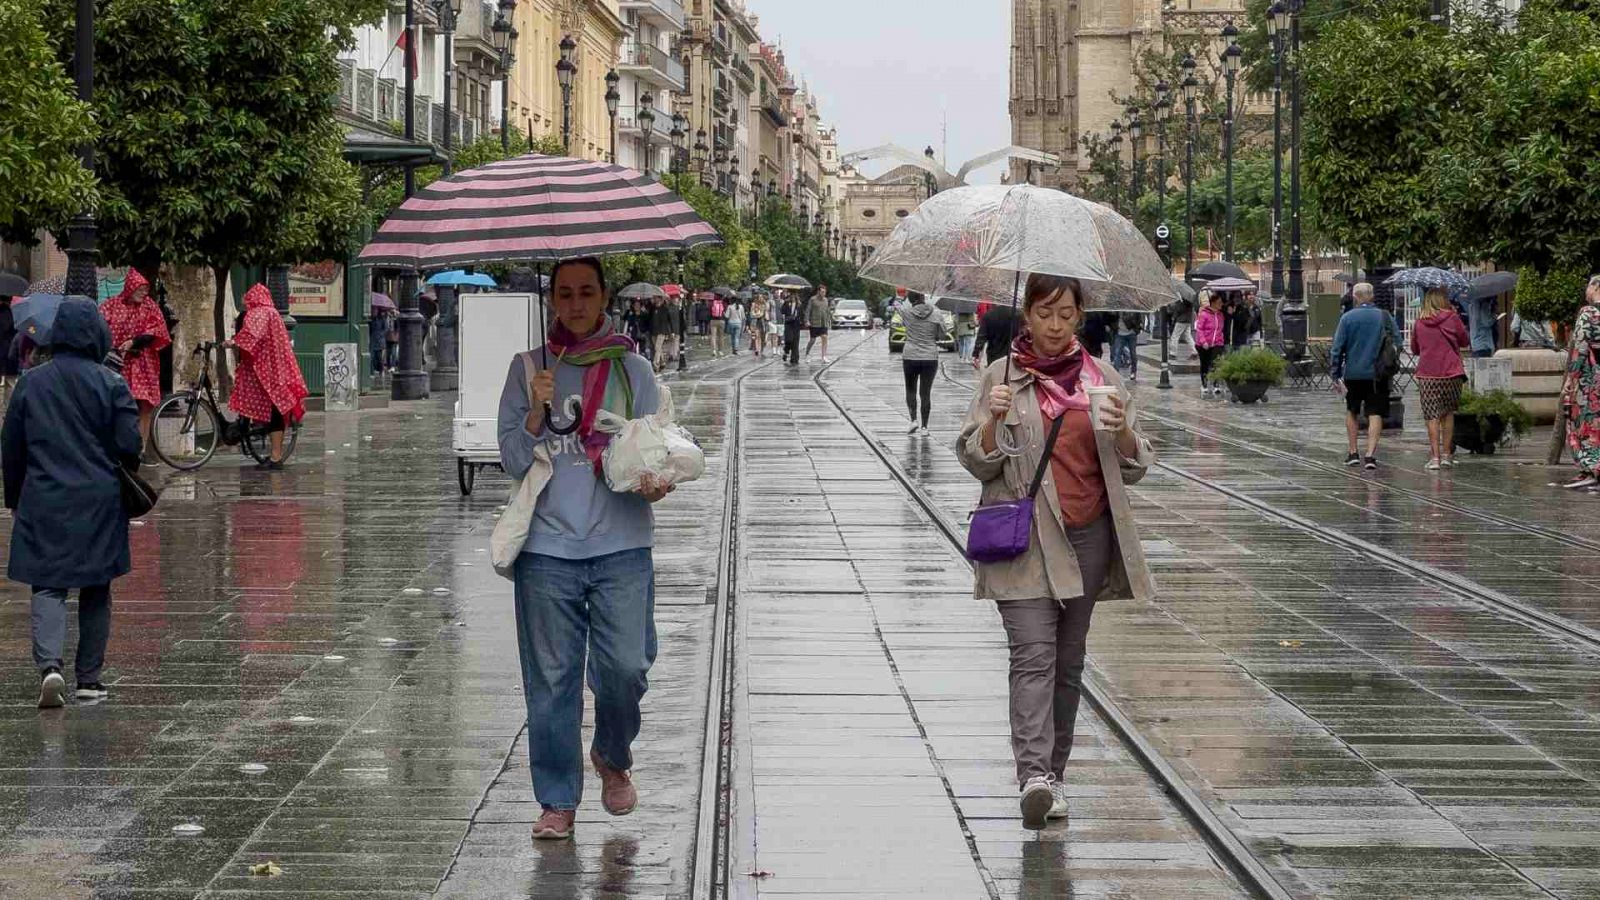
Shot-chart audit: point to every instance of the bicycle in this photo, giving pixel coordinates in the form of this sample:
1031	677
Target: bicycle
201	425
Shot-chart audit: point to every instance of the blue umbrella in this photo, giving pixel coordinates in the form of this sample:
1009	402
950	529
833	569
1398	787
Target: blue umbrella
34	314
1430	277
457	278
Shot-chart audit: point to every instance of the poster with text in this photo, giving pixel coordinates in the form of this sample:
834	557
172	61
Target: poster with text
317	290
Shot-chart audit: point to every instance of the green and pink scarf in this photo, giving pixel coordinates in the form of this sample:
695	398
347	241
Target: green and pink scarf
605	379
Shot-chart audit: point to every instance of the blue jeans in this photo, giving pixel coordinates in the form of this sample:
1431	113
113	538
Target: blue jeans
734	331
605	606
1125	347
964	345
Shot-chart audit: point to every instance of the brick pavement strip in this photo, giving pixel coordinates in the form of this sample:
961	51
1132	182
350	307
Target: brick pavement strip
1407	742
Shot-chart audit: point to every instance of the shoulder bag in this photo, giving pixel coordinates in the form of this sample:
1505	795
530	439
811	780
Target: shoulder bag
511	531
138	497
1005	530
1388	362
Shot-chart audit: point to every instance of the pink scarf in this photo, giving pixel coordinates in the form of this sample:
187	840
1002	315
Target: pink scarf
1058	379
605	378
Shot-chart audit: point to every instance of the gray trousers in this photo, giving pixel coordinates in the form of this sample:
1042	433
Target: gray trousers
1049	639
50	629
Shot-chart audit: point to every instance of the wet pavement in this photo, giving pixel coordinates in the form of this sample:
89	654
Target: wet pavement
1366	728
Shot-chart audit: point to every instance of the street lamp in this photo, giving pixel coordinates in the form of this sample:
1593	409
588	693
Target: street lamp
647	124
1297	283
1116	162
1163	111
81	234
1136	132
613	99
679	133
1191	87
504	35
701	153
447	11
1230	68
1277	21
565	70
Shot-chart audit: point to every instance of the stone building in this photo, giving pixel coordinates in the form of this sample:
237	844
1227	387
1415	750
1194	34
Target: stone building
598	28
1069	56
649	66
870	208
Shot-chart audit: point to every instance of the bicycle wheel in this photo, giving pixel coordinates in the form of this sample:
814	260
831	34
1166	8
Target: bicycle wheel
258	443
185	431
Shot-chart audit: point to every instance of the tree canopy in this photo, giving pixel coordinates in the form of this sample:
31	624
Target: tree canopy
41	125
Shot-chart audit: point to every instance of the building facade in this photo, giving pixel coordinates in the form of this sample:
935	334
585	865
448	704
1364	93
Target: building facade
870	208
536	105
650	69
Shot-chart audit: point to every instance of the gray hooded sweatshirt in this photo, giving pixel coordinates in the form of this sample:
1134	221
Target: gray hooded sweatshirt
923	326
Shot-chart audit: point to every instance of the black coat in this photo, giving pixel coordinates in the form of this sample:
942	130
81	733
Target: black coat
70	422
995	332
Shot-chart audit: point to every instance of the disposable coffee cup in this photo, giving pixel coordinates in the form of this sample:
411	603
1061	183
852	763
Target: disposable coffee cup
1097	403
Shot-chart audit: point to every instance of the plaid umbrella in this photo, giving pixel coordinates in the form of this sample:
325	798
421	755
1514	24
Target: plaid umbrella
1430	277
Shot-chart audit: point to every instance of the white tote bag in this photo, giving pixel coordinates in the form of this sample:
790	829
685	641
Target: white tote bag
511	532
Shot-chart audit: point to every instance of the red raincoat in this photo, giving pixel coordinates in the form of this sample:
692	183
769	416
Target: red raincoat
130	318
269	376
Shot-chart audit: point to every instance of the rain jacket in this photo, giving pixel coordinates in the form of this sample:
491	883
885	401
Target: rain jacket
923	326
1357	342
1050	566
70	422
1208	328
269	375
1437	341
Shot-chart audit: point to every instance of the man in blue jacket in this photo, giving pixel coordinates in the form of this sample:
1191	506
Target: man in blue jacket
1357	343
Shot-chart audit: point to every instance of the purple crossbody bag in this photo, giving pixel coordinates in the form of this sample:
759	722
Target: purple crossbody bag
1004	530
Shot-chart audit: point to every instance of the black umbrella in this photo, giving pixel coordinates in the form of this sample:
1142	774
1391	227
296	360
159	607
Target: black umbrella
1218	269
726	293
12	285
1491	285
641	291
1344	278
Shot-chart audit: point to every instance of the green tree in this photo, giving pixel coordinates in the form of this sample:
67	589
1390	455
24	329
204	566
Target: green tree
41	125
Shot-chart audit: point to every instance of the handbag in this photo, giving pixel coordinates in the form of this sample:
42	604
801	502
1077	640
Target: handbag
1004	531
138	497
511	531
1388	361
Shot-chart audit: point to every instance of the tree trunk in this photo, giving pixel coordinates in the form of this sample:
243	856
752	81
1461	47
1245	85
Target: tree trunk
1558	440
219	328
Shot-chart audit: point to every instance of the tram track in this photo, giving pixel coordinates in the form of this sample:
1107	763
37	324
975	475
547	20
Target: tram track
1532	616
1229	850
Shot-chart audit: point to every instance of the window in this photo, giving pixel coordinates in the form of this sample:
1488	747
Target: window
868	213
902	213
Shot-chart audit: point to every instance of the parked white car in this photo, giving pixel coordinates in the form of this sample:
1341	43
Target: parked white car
851	314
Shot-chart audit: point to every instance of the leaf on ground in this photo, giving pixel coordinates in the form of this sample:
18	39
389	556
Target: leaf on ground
270	869
1291	643
759	873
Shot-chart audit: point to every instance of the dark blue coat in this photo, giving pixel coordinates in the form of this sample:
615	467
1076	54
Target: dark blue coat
69	423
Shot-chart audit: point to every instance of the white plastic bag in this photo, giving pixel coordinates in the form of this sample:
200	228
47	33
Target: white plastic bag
652	445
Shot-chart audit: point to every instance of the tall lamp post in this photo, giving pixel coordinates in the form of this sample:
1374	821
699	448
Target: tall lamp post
1191	87
647	125
1136	137
407	282
1277	16
1297	284
678	134
565	70
702	153
933	183
1230	68
82	257
1116	163
1163	110
447	12
504	35
613	100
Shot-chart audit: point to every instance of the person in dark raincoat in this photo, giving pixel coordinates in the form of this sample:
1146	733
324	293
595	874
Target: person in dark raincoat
70	423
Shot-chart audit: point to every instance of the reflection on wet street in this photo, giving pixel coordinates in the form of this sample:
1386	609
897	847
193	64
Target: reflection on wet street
315	669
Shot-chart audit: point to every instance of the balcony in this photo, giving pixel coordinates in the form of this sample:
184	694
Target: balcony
745	74
721	42
652	64
772	108
721	99
667	14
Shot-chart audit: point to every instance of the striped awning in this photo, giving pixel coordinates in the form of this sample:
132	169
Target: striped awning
538	209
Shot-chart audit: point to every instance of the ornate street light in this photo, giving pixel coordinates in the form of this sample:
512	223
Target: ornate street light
1231	58
447	12
1191	88
1136	133
1297	283
82	258
679	134
613	100
647	124
1277	19
565	70
504	35
701	153
1116	162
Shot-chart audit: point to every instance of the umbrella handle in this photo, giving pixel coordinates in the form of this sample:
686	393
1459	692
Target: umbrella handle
575	409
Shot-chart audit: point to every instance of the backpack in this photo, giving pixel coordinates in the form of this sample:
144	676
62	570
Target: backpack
718	309
1387	365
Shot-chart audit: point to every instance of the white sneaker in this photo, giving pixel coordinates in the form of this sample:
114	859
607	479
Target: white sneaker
1037	799
913	429
923	430
825	360
1058	801
52	690
1432	466
1582	482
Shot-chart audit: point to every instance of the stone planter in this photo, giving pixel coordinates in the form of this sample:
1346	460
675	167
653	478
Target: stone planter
1249	391
1468	436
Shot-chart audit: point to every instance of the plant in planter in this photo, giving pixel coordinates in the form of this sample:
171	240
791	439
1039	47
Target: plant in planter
1250	372
1487	421
1553	298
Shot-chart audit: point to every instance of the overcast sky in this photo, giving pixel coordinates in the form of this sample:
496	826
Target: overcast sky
886	71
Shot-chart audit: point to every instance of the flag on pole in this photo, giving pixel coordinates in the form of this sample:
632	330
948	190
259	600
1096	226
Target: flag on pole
405	43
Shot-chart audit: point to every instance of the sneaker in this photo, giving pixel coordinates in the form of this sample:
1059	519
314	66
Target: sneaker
1582	482
93	690
1353	459
52	689
1432	466
1037	799
1058	801
1370	463
554	825
826	361
617	794
923	430
1449	462
913	429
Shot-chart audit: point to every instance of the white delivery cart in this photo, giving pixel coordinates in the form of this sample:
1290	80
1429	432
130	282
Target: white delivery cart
493	328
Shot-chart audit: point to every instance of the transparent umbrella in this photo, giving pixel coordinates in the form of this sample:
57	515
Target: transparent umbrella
982	241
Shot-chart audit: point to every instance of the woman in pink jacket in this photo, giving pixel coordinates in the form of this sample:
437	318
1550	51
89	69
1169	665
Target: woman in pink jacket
1208	340
1437	340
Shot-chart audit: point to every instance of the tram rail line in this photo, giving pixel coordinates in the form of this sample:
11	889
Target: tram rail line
1532	616
1229	850
710	858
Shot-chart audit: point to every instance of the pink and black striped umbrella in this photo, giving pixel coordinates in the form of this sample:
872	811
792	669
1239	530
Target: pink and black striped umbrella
539	209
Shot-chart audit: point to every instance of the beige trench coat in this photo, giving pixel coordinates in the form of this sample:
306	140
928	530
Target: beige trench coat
1050	567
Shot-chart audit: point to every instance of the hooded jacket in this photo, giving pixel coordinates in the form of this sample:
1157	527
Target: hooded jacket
924	326
70	423
1437	341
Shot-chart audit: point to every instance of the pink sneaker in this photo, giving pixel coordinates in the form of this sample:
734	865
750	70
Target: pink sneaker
616	787
554	825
